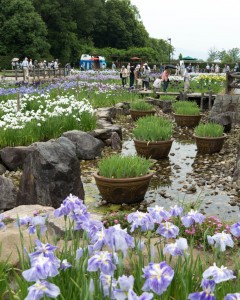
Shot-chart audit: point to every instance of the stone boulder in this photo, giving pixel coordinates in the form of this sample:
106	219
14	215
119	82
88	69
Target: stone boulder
223	119
8	194
108	113
50	173
87	146
2	169
13	157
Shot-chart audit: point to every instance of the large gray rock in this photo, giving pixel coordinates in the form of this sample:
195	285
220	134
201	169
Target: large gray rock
50	173
2	169
8	194
223	119
13	157
87	147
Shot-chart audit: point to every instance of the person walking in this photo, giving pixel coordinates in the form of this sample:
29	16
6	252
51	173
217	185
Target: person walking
124	75
131	76
186	80
165	79
145	76
25	67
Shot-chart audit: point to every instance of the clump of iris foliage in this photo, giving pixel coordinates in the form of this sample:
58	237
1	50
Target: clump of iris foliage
186	108
141	105
153	128
209	130
117	166
95	262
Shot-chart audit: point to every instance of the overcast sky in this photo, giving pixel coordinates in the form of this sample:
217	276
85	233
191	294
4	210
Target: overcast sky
194	26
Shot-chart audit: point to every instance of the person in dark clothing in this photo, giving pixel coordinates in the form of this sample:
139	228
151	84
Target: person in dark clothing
131	76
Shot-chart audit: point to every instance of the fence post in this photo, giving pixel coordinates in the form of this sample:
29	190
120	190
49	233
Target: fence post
210	101
16	76
201	101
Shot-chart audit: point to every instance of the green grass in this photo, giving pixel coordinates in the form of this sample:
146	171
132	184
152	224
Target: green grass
186	108
209	130
141	105
153	128
117	166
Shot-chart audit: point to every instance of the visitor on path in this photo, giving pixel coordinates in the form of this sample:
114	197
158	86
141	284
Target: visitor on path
131	77
145	76
25	67
217	69
177	70
236	67
207	68
157	85
137	77
113	66
186	80
165	79
128	70
123	75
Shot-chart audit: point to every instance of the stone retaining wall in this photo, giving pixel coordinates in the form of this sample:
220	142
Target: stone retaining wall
227	103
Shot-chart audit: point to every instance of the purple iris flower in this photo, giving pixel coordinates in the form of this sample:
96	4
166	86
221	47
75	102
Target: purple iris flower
168	230
65	265
158	277
41	268
221	240
79	253
125	290
118	239
158	213
125	284
32	223
98	239
218	274
104	261
2	225
41	289
235	229
207	293
42	249
235	296
144	296
140	219
176	210
69	204
192	217
108	284
92	227
177	248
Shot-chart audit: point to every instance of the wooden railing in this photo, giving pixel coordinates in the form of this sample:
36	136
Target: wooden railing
232	81
36	73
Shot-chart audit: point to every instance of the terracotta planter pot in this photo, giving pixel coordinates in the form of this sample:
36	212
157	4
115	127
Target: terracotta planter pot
156	150
123	190
207	145
187	120
136	114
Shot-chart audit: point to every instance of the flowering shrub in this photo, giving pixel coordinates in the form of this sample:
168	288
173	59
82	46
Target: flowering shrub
114	218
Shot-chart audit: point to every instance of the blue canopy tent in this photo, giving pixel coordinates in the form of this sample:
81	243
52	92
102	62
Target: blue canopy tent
89	62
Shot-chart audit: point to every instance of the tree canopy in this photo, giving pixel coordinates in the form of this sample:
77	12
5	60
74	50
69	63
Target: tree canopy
65	29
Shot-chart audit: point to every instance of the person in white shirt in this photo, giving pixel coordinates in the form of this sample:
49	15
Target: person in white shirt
25	67
186	80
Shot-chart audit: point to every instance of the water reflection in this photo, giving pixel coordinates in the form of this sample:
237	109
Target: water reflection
184	176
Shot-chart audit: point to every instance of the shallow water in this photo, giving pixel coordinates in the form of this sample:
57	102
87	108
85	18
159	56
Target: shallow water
183	176
177	170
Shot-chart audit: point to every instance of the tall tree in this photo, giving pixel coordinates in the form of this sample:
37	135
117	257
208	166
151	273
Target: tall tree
213	55
22	30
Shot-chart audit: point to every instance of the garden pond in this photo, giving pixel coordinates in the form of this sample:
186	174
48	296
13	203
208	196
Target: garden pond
201	182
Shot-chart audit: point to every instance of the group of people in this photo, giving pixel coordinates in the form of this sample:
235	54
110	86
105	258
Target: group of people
27	64
136	74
